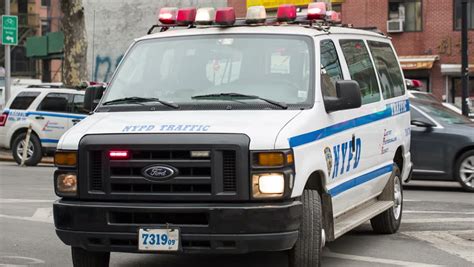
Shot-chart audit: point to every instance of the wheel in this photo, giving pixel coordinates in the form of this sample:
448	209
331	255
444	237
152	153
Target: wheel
307	250
464	171
84	258
34	152
388	222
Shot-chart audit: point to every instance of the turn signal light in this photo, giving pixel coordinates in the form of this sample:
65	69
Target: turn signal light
286	13
68	159
270	159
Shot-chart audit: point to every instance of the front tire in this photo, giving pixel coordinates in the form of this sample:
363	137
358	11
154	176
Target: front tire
308	247
34	153
464	171
84	258
388	222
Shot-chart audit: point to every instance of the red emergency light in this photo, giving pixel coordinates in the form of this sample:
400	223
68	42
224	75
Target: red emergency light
167	15
417	83
333	16
119	154
225	16
317	11
186	16
286	13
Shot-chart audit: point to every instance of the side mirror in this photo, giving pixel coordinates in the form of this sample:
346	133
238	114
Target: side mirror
348	97
422	124
93	96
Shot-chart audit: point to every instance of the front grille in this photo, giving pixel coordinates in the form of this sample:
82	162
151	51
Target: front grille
220	172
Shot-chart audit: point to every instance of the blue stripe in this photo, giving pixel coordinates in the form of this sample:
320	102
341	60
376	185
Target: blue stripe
50	114
346	125
54	141
360	180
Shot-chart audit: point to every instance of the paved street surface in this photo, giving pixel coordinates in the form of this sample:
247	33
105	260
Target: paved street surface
437	230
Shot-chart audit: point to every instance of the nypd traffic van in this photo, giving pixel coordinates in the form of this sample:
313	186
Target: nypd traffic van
219	135
50	111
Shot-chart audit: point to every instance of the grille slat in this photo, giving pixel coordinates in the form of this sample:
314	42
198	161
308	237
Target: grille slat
229	171
96	183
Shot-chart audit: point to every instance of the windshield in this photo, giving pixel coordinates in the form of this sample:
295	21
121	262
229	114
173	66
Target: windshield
196	71
442	114
425	96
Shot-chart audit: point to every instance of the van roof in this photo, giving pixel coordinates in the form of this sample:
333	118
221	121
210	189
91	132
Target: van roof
52	90
291	29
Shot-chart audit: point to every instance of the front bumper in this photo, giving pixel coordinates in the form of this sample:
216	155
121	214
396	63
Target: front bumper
204	228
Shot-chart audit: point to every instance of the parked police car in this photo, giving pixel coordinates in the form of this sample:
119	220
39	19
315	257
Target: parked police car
226	137
50	111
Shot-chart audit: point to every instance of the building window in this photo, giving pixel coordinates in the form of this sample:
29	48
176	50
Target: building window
45	27
45	3
458	14
409	11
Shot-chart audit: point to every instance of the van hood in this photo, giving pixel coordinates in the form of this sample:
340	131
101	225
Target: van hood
261	126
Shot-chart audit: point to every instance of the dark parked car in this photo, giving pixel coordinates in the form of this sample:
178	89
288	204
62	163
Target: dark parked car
442	144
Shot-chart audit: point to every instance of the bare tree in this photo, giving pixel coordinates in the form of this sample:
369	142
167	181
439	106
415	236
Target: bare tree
75	42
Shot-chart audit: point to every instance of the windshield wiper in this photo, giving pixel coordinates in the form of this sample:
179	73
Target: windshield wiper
134	100
244	96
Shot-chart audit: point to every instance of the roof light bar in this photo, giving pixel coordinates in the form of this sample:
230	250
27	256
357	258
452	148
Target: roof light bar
225	16
167	15
256	14
286	13
205	16
186	16
316	11
333	16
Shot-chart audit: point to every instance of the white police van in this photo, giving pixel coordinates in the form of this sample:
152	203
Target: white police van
224	136
49	109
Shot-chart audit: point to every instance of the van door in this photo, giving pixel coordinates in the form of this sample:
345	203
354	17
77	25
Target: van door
52	114
357	173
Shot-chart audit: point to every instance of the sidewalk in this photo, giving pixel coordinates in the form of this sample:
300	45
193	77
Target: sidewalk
6	155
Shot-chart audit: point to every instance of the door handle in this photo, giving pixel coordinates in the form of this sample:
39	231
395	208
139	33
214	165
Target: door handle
39	117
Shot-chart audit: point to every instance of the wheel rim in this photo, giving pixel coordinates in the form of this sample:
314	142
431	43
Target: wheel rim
397	197
466	172
29	152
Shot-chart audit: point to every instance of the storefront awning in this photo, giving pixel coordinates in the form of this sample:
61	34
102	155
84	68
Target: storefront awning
454	69
423	62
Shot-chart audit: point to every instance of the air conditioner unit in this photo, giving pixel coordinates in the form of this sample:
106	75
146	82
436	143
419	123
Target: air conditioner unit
395	25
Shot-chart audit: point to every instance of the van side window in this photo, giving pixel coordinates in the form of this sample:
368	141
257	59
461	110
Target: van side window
55	102
386	63
23	100
361	69
78	105
331	71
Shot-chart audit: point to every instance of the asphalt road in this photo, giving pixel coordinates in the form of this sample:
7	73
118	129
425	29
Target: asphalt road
437	230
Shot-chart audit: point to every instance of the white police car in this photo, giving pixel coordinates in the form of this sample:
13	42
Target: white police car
225	136
49	110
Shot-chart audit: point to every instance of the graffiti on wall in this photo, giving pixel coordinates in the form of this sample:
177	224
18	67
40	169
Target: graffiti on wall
105	67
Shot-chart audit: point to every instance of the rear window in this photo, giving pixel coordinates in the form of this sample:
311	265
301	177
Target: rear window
23	100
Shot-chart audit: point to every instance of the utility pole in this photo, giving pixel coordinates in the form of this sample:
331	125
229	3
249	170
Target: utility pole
7	61
465	62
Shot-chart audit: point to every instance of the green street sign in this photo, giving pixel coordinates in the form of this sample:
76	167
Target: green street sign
9	30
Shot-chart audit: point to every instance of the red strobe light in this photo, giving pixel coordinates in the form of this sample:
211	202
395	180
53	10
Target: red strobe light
186	16
167	15
317	10
119	154
333	16
286	13
225	16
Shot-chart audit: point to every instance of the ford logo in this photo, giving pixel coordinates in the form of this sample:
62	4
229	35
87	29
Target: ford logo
158	172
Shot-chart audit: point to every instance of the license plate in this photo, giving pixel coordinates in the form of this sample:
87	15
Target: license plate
158	239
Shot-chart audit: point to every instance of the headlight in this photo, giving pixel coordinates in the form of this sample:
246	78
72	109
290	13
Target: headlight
66	184
65	159
268	185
